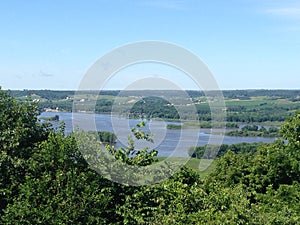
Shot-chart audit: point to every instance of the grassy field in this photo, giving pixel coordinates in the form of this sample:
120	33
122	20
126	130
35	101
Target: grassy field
203	166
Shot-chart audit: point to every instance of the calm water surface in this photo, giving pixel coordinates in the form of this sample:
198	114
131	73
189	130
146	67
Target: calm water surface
167	142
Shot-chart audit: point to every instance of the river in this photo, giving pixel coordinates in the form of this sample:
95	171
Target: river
166	142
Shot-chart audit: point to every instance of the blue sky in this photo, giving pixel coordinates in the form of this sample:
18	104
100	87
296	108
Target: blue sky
247	44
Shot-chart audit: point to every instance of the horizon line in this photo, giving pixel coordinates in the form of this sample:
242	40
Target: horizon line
245	89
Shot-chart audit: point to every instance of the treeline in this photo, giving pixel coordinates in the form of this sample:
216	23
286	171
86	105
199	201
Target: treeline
255	131
44	179
200	125
58	95
154	107
213	151
231	94
274	94
53	118
101	106
47	94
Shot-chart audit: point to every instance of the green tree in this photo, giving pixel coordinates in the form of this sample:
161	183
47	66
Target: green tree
45	179
20	132
59	188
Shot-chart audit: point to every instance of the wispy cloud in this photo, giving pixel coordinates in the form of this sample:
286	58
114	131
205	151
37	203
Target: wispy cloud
43	74
289	12
287	15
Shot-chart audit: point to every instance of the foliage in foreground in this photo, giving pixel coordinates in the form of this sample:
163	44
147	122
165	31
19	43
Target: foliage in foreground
45	180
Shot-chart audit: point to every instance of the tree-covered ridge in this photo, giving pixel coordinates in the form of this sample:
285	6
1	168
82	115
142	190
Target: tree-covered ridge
242	106
45	180
231	94
154	107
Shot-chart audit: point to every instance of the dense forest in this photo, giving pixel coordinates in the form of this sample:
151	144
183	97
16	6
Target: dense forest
44	179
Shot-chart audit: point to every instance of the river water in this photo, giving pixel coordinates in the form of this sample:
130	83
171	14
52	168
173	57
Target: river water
166	142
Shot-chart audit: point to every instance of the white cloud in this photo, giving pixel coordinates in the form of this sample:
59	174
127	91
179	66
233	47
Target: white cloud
286	12
290	12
